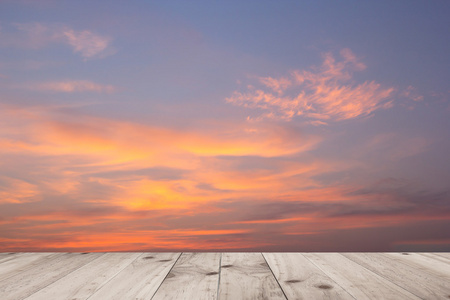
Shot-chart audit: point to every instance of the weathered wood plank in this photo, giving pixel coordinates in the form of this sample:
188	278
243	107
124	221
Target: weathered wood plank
140	279
417	281
301	279
98	276
357	280
247	276
39	276
83	282
8	256
423	264
4	255
434	256
23	262
443	254
194	276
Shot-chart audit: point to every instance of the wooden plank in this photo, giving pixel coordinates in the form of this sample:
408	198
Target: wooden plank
194	276
301	279
357	280
34	279
83	282
417	281
23	262
423	264
443	254
247	276
439	258
9	256
140	279
4	255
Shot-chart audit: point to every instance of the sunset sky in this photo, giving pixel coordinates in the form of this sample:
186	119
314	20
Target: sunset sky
224	125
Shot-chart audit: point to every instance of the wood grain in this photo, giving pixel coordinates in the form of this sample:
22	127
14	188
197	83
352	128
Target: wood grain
417	281
194	276
357	280
22	262
423	263
140	279
84	281
247	276
8	256
434	256
41	275
444	254
98	276
301	279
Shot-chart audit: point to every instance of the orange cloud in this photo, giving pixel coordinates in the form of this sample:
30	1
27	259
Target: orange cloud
324	94
125	141
91	145
100	184
18	191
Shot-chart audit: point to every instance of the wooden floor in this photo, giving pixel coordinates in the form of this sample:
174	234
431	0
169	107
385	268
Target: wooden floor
234	276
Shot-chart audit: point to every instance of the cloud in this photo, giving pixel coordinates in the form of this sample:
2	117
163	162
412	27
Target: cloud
411	93
144	164
38	35
322	94
71	86
86	43
15	190
97	184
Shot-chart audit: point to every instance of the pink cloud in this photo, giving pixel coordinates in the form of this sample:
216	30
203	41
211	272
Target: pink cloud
71	86
38	35
322	93
86	43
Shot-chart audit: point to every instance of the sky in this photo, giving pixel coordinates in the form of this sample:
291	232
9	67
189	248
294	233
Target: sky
224	125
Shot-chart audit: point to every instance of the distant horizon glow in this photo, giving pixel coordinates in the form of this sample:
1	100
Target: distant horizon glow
255	126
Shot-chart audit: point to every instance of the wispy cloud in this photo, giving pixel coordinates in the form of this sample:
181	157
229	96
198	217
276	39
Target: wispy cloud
86	43
37	35
322	94
71	86
15	190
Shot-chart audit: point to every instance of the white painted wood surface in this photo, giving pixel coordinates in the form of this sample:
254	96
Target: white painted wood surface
96	276
301	279
247	276
194	276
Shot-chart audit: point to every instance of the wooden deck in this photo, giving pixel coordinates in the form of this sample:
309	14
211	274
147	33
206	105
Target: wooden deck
234	276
